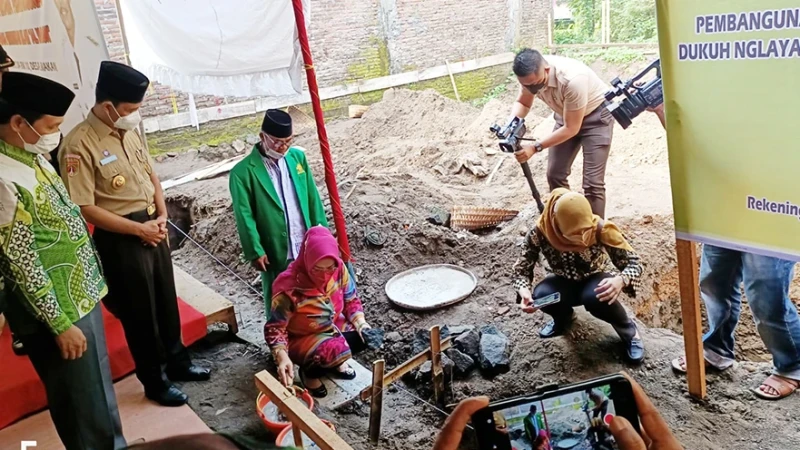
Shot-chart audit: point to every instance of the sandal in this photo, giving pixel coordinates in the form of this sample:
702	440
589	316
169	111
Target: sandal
348	374
318	392
782	385
679	365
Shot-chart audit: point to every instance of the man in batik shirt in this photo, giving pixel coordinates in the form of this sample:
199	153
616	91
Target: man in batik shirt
52	275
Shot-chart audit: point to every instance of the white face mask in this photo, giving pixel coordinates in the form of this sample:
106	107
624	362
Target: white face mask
270	152
129	122
45	144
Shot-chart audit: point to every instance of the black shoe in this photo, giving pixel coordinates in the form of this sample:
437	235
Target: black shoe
349	374
191	373
317	392
18	346
169	396
551	329
635	350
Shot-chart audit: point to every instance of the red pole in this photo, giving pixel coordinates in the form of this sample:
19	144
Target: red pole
330	176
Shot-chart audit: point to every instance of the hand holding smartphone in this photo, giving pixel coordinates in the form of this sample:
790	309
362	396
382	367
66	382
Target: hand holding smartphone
575	416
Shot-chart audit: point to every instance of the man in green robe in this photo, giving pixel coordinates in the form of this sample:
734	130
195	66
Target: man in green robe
533	424
275	201
52	276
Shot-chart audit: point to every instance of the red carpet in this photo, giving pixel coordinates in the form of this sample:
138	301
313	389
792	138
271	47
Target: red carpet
21	391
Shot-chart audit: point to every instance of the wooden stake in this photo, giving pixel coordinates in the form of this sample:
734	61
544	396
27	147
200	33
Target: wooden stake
298	437
298	414
690	311
376	405
398	372
452	80
437	370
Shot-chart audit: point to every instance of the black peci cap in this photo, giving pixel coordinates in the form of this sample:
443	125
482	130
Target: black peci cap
122	83
277	123
36	94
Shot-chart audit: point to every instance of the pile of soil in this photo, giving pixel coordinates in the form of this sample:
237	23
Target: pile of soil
405	158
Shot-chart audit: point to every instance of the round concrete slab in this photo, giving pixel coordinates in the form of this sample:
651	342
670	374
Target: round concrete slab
431	287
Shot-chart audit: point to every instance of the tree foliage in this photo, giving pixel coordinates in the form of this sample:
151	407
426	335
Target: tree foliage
632	21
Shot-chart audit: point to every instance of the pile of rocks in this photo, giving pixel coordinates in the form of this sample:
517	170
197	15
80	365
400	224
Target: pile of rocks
487	349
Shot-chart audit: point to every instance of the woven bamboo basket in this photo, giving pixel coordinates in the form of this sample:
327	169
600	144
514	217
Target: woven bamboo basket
476	217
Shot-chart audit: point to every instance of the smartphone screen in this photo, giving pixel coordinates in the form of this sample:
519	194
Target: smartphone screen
547	300
575	417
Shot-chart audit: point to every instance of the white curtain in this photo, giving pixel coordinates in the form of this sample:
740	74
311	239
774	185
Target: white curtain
241	48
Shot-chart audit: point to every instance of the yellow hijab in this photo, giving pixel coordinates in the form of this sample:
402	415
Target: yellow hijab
569	225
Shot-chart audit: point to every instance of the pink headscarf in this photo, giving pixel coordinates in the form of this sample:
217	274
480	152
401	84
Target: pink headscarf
318	244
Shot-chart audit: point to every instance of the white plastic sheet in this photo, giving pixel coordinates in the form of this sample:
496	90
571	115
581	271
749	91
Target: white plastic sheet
241	48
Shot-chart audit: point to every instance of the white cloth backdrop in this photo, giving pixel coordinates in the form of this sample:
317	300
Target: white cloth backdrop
241	48
60	40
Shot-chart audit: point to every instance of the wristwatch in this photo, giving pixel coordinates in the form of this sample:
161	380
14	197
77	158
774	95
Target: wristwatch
538	146
626	280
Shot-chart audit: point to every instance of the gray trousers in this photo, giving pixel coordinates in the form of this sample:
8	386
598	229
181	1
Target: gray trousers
595	138
80	392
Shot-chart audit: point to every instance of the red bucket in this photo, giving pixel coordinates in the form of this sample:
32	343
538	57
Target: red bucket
286	437
270	414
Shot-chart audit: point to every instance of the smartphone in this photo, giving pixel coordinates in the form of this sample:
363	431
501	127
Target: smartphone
547	300
575	416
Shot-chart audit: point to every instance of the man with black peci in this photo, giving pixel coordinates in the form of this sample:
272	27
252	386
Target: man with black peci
109	174
576	95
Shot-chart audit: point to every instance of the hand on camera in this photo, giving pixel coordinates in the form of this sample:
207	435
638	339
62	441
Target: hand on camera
525	153
655	435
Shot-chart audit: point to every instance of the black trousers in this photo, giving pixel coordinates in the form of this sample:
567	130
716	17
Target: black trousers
142	296
581	293
80	392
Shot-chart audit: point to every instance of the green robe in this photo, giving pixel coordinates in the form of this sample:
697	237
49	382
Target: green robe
259	214
51	272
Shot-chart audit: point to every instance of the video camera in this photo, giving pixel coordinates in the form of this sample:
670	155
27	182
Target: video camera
510	142
511	135
639	96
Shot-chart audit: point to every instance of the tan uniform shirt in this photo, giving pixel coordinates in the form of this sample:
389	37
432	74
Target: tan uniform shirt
100	169
572	85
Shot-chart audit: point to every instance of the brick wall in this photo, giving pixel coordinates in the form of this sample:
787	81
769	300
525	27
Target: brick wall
360	39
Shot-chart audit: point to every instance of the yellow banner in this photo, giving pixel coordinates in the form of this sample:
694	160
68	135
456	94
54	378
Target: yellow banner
731	71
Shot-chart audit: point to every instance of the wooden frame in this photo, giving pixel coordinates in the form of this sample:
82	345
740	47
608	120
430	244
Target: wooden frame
374	393
376	405
398	372
302	419
692	319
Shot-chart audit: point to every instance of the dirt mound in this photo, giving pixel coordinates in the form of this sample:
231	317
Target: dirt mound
397	164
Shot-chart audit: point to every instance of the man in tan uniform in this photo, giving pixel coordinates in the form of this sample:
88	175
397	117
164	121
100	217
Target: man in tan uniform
575	94
109	174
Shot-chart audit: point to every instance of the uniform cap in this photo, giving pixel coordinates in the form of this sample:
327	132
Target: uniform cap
122	83
36	94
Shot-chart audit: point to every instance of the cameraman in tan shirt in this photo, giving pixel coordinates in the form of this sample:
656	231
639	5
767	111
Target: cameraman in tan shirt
575	94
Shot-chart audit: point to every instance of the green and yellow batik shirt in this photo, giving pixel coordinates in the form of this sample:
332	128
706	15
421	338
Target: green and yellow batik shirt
47	258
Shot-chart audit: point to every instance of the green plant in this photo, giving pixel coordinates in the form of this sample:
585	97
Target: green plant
632	21
496	92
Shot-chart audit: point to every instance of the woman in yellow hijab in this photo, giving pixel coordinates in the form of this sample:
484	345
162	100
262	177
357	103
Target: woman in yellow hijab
591	264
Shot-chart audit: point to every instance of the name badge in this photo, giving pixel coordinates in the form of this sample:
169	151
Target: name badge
108	160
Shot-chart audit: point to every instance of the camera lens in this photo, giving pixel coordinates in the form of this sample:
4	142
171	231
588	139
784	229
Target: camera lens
620	114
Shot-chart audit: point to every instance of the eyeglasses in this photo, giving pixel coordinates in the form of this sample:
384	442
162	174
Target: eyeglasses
279	143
